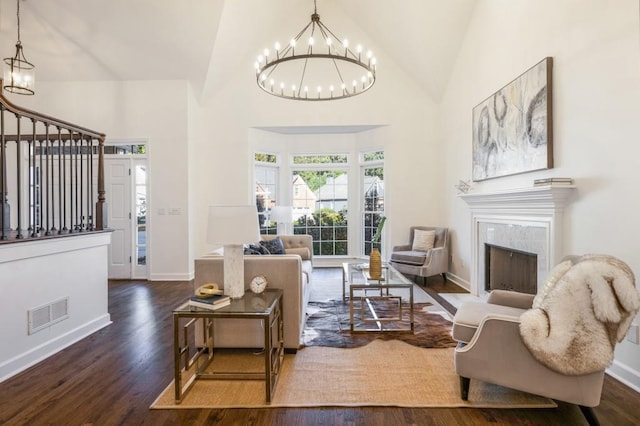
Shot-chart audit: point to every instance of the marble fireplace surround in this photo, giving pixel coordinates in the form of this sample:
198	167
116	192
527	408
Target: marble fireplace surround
528	219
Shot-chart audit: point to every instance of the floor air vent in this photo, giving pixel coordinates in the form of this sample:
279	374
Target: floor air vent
47	315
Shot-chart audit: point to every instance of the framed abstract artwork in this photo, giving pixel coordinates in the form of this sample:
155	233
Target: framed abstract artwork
512	129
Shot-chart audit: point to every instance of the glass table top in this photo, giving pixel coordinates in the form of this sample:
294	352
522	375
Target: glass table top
250	303
358	274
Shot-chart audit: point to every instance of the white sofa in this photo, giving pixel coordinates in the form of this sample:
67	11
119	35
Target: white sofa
290	272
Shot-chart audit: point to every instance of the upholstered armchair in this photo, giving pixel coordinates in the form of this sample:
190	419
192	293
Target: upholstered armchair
555	344
426	254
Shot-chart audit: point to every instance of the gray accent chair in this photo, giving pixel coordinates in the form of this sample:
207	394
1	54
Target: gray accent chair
491	349
420	263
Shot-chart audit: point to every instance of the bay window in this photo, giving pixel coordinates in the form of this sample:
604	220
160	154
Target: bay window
337	198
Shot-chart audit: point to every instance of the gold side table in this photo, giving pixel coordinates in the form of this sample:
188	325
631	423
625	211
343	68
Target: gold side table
265	307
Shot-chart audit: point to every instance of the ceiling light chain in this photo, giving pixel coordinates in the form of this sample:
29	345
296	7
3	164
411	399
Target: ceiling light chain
18	19
284	64
19	74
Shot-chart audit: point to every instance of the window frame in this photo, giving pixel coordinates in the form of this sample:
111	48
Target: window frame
364	165
271	228
329	167
354	168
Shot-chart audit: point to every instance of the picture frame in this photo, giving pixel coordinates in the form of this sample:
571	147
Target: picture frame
512	128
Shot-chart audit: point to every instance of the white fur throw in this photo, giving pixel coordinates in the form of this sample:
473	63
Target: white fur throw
574	325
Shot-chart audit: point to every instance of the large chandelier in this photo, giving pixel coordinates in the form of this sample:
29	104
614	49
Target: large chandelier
315	65
19	74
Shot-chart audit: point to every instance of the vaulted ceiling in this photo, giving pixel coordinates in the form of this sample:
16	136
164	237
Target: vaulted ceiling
207	41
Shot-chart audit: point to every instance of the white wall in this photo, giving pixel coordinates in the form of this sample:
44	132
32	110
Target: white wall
596	88
222	170
37	273
198	143
199	149
155	111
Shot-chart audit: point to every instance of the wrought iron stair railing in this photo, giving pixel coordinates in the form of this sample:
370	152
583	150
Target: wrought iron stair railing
51	176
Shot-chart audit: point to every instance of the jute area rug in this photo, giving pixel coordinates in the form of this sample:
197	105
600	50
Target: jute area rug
381	373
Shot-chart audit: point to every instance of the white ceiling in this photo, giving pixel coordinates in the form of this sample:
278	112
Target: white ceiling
207	40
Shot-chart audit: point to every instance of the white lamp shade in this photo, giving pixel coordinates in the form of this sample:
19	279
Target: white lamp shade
233	225
281	214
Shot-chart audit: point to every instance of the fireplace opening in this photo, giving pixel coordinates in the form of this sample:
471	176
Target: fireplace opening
510	269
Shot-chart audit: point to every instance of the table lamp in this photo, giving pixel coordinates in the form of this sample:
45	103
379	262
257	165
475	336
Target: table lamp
282	215
231	227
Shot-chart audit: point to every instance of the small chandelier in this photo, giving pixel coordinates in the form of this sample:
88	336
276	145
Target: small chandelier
316	65
19	74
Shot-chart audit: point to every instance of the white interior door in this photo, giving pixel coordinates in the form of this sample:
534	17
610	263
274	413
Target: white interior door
118	187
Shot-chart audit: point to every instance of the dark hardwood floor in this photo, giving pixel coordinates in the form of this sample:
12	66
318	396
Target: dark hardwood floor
113	376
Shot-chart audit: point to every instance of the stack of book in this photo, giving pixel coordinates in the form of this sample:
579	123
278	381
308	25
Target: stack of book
214	302
553	181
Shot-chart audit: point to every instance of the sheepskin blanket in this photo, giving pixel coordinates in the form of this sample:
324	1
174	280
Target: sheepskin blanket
586	305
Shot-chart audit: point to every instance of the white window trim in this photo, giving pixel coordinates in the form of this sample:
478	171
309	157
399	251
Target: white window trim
354	167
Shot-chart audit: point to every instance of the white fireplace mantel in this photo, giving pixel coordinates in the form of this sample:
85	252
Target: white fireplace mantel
539	197
528	219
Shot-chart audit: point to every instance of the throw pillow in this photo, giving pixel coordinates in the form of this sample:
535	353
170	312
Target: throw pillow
303	252
423	240
255	249
274	245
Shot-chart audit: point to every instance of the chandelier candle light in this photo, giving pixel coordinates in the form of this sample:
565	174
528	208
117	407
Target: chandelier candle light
315	65
19	74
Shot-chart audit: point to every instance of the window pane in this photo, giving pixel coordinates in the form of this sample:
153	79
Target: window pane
141	175
141	245
141	214
320	209
320	159
266	193
265	158
125	149
373	156
373	209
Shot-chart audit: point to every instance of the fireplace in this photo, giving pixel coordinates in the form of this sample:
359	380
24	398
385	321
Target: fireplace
509	269
525	220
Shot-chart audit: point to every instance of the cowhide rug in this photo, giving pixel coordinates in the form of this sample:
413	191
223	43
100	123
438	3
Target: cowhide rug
328	325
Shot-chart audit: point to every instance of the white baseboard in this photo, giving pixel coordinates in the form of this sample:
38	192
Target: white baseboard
460	282
624	374
171	277
334	261
33	356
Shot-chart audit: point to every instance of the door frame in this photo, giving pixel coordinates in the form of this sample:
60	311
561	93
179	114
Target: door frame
135	271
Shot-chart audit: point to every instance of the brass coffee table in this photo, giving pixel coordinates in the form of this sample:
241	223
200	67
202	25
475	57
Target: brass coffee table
356	276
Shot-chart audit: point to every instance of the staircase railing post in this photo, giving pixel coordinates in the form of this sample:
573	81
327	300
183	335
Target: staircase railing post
4	205
101	205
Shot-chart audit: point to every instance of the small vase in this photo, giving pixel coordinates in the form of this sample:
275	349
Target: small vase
375	265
